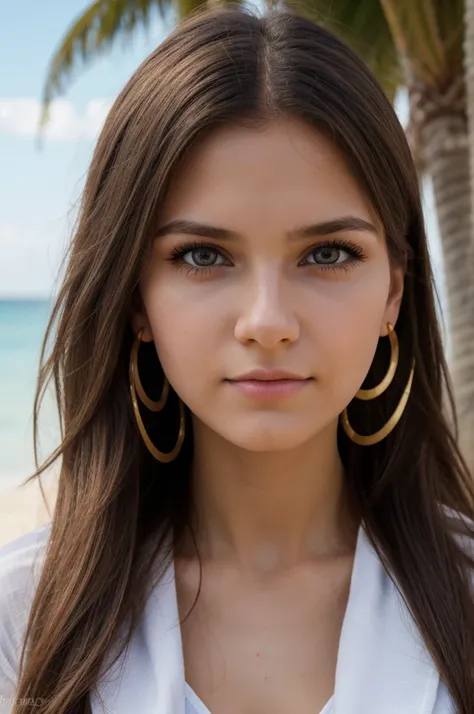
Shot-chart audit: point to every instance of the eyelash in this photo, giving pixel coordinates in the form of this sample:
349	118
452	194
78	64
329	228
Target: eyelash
355	251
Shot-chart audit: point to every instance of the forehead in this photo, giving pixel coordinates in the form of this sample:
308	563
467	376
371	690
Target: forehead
282	169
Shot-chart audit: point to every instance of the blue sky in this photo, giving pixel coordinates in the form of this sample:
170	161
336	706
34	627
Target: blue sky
40	187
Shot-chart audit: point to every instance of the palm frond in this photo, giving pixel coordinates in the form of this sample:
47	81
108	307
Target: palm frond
364	27
95	31
90	35
428	35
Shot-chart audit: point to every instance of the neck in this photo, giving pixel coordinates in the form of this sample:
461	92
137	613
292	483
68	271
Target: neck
269	511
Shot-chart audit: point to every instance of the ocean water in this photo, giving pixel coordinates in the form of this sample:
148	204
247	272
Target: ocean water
22	328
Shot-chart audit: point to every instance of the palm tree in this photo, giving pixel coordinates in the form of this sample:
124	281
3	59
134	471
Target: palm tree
429	35
415	43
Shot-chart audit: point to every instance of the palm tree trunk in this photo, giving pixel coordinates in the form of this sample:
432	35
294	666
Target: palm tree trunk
469	84
444	144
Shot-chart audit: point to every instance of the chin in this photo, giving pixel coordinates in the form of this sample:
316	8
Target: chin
281	437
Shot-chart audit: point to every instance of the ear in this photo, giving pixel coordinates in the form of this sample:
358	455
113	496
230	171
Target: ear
139	319
394	299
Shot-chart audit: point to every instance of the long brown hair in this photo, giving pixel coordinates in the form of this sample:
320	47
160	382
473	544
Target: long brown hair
116	505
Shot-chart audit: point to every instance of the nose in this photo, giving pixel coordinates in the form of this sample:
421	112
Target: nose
268	316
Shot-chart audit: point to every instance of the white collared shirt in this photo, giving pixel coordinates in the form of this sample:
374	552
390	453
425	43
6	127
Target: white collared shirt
383	665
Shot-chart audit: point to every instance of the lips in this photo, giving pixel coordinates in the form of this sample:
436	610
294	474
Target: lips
269	388
261	375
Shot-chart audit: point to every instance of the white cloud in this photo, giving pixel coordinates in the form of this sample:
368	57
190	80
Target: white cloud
21	117
30	260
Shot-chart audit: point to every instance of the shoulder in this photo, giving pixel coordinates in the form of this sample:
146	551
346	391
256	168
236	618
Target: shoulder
20	561
20	569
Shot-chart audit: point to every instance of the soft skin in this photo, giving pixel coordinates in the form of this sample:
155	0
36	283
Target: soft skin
268	481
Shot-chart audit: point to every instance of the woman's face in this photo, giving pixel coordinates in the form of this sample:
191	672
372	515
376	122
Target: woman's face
266	296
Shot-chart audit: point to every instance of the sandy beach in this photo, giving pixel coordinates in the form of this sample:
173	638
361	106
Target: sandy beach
23	509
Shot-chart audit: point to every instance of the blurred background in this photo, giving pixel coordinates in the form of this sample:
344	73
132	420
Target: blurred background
63	65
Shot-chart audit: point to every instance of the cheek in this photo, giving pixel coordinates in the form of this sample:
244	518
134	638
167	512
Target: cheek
183	341
349	331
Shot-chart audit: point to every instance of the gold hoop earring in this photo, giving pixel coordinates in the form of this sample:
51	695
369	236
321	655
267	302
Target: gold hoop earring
136	386
367	394
135	379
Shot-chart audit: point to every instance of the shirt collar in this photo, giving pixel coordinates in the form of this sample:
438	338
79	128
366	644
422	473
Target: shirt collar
383	664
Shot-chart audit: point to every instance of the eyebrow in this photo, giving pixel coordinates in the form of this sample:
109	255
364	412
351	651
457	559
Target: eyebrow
337	225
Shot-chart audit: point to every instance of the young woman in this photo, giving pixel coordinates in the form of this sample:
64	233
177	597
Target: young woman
261	504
